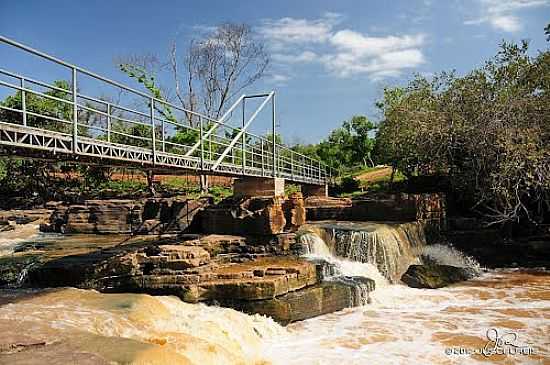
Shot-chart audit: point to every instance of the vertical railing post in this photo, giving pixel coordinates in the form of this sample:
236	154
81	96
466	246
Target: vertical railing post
108	122
291	164
210	147
262	152
163	136
273	136
319	170
201	131
75	113
243	142
153	137
23	102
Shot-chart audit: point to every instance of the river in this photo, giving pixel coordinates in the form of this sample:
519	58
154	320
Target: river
500	317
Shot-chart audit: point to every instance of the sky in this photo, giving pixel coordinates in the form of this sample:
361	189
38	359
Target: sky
330	60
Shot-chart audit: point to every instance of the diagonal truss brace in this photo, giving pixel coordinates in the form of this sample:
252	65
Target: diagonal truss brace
242	131
218	123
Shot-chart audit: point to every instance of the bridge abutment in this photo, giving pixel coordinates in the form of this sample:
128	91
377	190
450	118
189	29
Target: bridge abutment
258	186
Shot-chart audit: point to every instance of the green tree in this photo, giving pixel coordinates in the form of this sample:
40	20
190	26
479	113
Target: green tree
488	131
349	145
45	107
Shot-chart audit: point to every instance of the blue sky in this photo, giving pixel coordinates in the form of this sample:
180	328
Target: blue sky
330	59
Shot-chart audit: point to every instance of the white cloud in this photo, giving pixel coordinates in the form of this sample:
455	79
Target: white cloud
361	45
501	14
278	79
507	23
291	30
305	56
388	64
343	52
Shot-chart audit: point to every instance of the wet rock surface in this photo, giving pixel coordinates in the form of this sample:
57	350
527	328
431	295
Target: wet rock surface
256	274
433	276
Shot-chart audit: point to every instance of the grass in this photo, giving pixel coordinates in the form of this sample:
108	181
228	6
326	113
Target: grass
123	186
377	185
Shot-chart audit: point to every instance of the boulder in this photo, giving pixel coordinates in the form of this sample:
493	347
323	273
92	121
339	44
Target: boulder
245	216
433	276
295	212
315	300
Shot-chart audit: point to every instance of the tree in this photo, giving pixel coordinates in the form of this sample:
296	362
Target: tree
488	131
217	67
362	143
31	179
349	145
43	106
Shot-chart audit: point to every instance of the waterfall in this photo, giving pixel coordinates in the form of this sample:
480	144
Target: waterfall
23	275
340	268
391	248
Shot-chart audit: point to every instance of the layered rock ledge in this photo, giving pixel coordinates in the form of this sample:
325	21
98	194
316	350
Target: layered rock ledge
250	273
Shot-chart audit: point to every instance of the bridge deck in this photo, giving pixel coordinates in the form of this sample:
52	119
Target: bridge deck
16	137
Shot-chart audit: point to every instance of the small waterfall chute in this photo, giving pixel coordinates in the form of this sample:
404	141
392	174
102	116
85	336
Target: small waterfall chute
356	274
389	247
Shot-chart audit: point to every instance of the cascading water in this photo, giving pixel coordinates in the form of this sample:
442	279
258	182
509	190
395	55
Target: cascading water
352	273
388	248
335	266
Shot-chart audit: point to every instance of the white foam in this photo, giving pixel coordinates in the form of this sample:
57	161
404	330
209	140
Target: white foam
403	324
10	239
448	255
318	249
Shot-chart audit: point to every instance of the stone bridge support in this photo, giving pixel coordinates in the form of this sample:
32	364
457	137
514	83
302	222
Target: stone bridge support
268	186
258	186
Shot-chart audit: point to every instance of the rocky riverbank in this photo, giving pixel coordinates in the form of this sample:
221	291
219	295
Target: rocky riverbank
243	253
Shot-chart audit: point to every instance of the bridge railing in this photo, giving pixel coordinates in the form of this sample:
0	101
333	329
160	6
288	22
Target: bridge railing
156	125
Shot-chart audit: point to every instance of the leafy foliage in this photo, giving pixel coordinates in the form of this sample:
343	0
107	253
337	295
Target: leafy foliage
489	131
346	147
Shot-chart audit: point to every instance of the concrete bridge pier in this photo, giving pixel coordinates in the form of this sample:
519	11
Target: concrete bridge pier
258	186
268	186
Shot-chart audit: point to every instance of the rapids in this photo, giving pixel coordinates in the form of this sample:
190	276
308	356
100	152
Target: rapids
162	329
417	326
9	240
400	325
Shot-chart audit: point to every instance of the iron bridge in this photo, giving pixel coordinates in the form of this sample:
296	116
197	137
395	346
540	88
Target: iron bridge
147	132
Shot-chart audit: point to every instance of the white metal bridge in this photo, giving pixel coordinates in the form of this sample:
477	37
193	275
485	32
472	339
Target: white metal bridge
57	120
